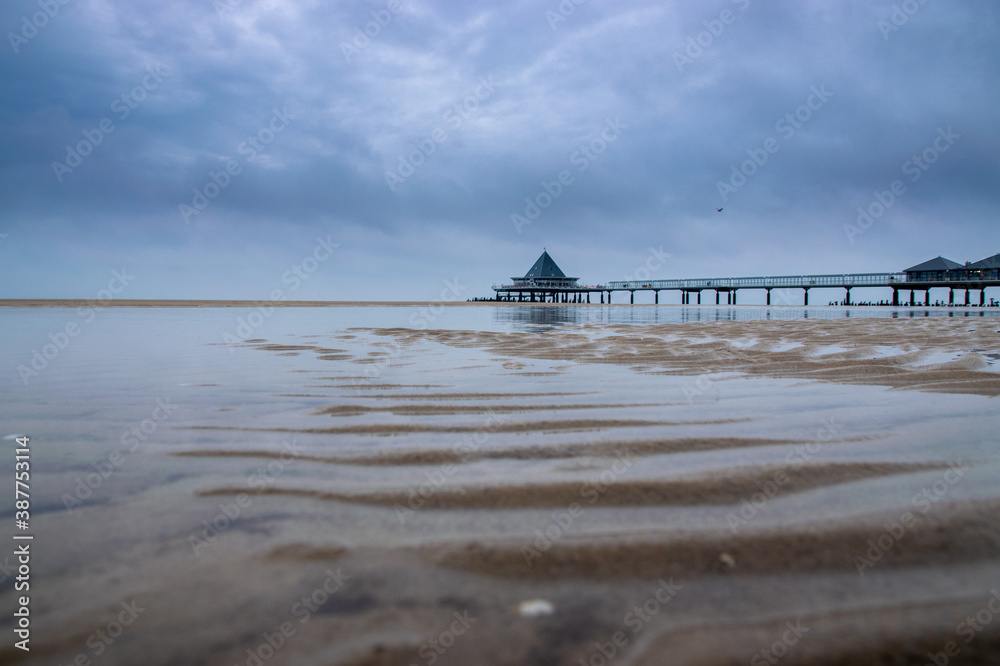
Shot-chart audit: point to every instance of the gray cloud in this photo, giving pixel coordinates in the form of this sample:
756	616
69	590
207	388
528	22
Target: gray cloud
696	86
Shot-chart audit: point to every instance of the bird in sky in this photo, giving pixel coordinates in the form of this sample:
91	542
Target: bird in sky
718	210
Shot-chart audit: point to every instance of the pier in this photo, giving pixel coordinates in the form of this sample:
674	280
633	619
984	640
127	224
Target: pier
545	286
898	282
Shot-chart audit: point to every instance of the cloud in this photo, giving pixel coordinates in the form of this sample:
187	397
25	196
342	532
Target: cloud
366	84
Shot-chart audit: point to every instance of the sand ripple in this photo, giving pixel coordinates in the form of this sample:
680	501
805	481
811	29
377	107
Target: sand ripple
720	487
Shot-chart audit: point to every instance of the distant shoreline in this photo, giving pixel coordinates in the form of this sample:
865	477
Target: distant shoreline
176	303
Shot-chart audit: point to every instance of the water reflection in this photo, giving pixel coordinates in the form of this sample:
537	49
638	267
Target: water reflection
540	318
536	318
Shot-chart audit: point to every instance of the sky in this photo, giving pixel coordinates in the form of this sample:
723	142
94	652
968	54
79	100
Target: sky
427	149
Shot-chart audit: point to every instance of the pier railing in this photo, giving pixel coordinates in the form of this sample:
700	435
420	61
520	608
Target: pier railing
549	287
774	282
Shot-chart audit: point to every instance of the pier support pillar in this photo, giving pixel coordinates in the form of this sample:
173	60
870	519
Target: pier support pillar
847	301
951	296
716	296
913	297
734	296
768	296
632	297
927	297
895	297
982	297
805	300
699	297
968	295
656	296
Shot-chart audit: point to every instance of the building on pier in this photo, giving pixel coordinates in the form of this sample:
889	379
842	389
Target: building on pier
545	282
545	274
933	269
941	272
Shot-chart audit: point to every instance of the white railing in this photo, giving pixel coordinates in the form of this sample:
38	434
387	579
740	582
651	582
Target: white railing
543	287
801	281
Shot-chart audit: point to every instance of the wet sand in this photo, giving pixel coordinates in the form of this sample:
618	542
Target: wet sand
862	351
810	492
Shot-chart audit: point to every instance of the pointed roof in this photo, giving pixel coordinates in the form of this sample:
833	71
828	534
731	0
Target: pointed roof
935	264
988	262
545	267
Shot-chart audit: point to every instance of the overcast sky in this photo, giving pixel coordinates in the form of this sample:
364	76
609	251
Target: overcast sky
207	147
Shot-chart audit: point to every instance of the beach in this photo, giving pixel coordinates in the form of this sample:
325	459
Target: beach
508	484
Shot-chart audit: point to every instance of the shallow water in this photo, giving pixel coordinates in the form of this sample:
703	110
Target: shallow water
434	459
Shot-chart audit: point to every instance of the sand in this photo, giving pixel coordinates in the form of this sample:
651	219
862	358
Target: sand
807	492
884	352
